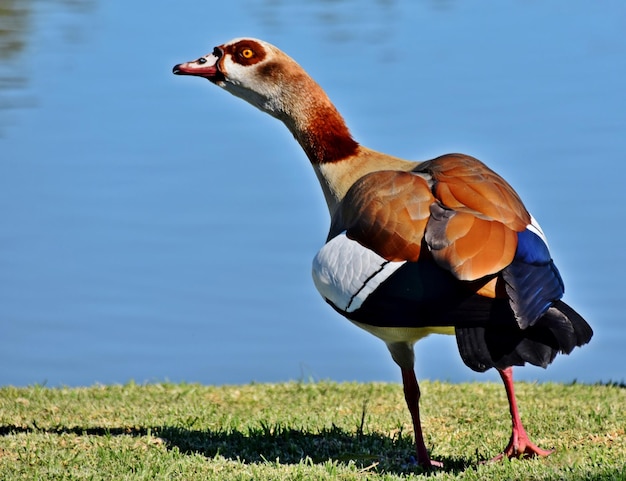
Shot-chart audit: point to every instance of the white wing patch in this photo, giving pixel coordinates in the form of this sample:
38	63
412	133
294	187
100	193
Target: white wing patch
535	228
346	273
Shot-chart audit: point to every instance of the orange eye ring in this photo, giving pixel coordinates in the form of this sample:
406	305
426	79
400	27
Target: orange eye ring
247	53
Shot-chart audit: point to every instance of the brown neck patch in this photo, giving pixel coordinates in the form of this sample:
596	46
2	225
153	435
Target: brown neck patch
327	138
316	124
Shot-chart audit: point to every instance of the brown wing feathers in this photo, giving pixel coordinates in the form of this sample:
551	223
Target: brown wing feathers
467	214
468	246
463	183
387	212
473	228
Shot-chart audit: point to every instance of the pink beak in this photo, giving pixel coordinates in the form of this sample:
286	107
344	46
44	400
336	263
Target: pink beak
203	67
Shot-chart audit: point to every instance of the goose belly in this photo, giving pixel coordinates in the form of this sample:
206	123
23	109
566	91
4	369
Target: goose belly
411	335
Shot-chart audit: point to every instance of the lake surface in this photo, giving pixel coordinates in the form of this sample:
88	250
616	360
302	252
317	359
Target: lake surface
156	228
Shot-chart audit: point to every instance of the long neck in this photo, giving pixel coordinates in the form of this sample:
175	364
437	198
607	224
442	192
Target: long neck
315	123
338	160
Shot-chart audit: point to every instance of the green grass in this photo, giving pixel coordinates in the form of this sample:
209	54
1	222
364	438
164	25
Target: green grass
317	431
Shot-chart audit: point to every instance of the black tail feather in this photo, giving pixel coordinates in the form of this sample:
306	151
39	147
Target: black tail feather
501	345
582	329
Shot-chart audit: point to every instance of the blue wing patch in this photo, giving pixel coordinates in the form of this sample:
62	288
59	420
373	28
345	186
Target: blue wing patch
533	282
531	249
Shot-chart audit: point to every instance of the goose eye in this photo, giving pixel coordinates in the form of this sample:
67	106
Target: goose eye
202	60
247	53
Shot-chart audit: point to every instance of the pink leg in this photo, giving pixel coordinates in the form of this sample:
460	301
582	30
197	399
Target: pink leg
412	396
519	445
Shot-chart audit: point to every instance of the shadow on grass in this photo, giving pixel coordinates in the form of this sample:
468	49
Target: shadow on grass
279	444
369	452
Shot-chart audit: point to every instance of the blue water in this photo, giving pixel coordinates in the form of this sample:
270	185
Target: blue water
156	228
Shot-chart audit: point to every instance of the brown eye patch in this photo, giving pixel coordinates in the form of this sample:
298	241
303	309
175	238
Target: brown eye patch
246	52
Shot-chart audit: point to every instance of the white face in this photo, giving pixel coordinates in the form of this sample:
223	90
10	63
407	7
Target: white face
245	67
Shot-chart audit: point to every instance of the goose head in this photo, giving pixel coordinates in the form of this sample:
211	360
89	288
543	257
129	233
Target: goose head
251	69
269	79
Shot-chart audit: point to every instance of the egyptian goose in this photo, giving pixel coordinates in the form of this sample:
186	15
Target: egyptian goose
414	248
